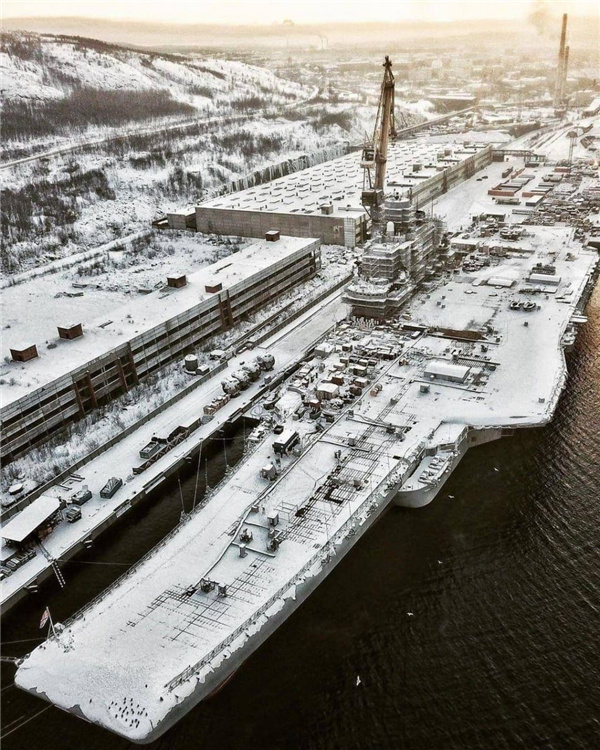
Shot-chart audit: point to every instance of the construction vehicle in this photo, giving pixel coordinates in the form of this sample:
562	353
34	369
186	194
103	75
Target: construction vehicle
73	514
82	496
375	149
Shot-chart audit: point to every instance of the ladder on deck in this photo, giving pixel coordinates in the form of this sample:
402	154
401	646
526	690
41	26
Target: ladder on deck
57	571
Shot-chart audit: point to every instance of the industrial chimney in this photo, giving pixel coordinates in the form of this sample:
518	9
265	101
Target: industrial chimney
561	70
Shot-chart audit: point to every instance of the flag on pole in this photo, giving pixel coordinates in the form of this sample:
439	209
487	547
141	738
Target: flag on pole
45	618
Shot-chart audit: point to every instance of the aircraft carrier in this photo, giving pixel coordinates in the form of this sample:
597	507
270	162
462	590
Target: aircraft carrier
375	415
377	410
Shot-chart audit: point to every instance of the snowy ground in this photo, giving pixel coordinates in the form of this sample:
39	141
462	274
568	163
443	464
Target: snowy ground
474	136
147	184
555	144
53	67
457	207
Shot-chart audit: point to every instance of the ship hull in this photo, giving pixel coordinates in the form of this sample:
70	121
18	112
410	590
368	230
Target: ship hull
226	671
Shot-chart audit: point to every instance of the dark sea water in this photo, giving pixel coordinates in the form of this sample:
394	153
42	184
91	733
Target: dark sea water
503	580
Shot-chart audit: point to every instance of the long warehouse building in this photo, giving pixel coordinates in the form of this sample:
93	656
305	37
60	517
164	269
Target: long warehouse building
49	389
325	200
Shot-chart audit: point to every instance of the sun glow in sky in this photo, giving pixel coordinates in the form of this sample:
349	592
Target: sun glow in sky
299	11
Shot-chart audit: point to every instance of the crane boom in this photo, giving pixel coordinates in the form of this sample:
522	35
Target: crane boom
374	156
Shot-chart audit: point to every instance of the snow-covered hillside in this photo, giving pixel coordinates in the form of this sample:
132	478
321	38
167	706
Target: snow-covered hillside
99	140
42	67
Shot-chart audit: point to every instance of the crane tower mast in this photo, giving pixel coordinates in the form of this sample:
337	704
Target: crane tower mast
374	154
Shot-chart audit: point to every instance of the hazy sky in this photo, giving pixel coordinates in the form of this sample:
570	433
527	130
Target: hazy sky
300	11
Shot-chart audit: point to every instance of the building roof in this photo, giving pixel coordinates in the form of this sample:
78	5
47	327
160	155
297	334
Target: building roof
285	437
544	278
447	370
134	318
465	241
339	182
500	281
327	387
30	518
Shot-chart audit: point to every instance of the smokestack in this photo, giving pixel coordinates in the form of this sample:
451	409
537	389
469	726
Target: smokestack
563	38
561	72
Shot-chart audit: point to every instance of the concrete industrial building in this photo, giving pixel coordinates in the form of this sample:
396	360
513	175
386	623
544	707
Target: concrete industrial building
74	377
324	201
441	370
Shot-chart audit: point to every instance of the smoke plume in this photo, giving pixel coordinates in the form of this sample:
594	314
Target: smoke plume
540	16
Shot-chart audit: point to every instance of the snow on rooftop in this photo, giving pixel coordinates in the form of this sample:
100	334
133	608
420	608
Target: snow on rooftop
442	369
502	281
102	335
30	518
327	387
340	180
544	278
